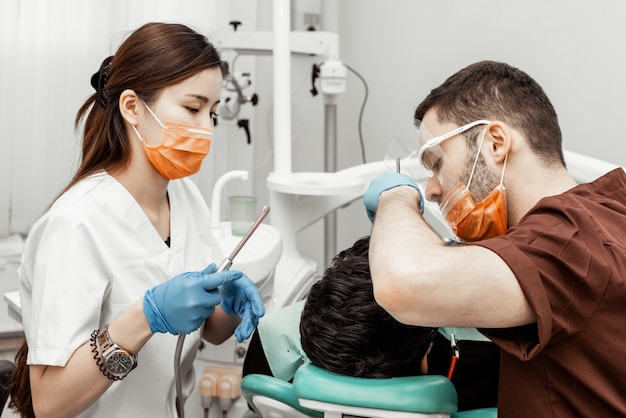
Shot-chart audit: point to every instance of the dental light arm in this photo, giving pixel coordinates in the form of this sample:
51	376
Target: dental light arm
231	105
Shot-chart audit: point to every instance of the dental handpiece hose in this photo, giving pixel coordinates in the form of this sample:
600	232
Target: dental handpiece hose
224	265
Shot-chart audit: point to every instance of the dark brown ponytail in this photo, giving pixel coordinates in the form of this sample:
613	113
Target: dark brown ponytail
19	387
155	56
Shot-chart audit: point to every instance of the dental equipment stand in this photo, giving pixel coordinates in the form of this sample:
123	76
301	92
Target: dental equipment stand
330	166
292	195
332	76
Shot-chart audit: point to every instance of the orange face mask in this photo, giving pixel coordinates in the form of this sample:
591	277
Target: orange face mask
472	221
475	221
181	151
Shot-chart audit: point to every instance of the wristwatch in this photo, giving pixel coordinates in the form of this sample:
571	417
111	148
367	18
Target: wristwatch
117	361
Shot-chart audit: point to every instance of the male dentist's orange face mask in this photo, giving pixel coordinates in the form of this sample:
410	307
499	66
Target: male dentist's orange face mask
181	150
475	221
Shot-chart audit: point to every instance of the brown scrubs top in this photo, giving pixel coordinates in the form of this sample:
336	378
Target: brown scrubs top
569	256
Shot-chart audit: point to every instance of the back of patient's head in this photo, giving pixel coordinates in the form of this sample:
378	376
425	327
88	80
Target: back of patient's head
344	330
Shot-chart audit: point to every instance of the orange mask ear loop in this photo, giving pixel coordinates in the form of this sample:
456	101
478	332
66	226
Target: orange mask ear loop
506	157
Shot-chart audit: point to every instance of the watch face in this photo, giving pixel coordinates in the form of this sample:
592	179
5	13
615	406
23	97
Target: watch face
119	363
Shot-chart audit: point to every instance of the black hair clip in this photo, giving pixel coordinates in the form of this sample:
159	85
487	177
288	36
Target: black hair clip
99	79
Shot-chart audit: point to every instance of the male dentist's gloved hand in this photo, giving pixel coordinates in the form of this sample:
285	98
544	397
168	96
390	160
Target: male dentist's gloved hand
181	304
387	180
241	297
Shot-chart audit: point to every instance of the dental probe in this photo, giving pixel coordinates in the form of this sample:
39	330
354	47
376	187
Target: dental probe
224	265
398	164
228	261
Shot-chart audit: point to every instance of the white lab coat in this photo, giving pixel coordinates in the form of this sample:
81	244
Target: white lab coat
92	255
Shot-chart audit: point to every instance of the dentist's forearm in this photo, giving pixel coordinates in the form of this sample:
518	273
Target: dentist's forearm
67	391
401	247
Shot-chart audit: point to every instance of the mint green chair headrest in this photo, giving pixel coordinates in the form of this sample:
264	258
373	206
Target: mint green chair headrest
273	388
425	394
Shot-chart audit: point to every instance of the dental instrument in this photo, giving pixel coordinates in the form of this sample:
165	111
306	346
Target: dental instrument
456	354
228	261
224	265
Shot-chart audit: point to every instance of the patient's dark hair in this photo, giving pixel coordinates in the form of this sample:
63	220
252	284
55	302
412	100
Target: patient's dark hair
344	330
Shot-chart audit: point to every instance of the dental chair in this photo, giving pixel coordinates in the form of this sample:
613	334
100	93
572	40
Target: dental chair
318	393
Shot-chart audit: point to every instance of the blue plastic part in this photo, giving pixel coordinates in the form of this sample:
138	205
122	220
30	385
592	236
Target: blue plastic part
426	394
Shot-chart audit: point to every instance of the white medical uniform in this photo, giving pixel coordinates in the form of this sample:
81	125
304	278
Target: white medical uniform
92	255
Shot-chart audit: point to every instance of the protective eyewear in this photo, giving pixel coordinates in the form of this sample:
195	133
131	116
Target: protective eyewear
431	152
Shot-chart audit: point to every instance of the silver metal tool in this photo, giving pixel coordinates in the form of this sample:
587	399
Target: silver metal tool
228	261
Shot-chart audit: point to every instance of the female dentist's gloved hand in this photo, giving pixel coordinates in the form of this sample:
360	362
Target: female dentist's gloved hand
241	297
387	180
181	304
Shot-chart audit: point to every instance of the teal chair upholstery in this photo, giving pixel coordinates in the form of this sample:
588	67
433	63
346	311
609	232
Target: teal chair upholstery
318	393
413	396
272	397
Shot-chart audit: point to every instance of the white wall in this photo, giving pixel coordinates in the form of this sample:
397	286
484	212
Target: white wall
404	48
574	49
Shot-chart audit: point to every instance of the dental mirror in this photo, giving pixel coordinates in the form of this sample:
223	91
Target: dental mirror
401	157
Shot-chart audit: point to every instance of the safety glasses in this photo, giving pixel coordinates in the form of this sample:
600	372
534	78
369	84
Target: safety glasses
430	153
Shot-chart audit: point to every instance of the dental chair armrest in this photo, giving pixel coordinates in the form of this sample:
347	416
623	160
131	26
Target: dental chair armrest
270	387
425	394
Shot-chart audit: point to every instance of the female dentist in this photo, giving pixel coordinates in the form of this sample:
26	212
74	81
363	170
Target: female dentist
120	259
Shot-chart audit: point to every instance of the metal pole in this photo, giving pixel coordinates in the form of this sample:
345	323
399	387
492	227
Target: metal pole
330	166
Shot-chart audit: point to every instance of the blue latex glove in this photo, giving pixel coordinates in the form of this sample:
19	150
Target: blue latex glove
181	304
241	297
387	180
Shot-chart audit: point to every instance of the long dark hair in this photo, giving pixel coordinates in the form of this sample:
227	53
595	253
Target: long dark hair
155	56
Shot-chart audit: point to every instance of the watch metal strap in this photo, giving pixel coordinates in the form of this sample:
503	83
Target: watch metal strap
107	346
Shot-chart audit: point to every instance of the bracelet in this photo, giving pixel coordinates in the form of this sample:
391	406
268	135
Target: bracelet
121	360
96	356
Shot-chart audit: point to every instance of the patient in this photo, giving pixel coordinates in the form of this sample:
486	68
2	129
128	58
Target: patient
339	328
343	330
